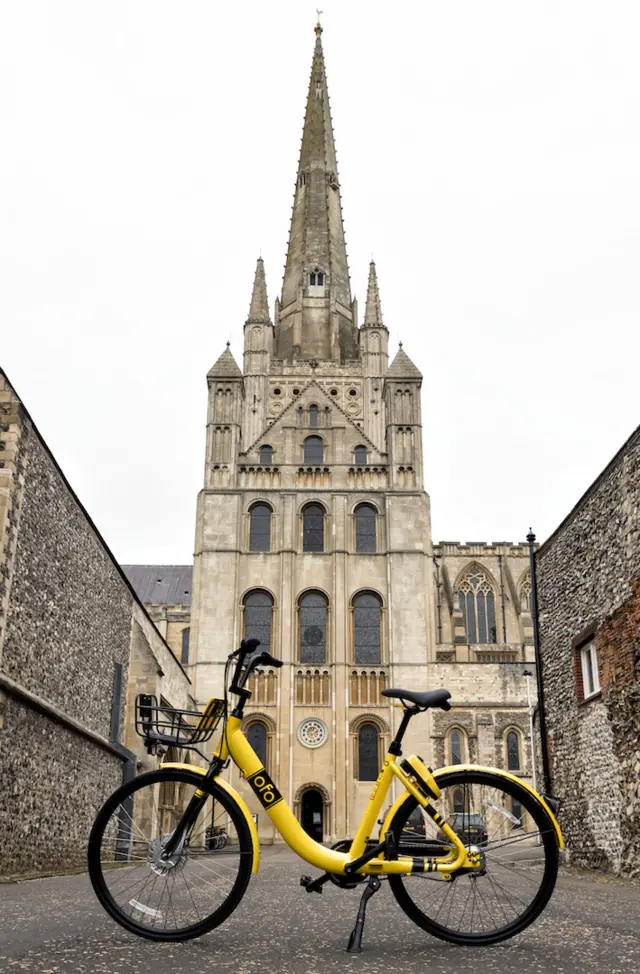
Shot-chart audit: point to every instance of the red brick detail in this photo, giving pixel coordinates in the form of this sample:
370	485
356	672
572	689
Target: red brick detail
616	642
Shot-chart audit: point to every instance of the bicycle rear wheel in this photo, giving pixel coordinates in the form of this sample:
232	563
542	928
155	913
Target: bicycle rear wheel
519	859
198	886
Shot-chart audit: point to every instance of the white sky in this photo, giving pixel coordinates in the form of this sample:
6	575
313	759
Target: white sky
489	157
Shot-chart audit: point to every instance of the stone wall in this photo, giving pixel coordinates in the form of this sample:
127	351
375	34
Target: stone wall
66	618
588	588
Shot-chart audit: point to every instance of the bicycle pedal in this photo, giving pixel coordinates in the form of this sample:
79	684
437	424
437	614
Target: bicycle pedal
313	885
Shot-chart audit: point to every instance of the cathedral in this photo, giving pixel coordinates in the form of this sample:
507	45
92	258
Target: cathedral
313	534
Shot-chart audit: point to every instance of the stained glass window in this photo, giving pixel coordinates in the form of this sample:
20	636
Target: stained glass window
513	752
260	528
366	628
478	605
266	455
313	415
365	528
360	455
313	628
313	450
313	528
258	608
455	743
367	752
257	737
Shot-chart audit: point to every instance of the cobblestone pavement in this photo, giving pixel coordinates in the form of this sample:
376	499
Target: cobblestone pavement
56	926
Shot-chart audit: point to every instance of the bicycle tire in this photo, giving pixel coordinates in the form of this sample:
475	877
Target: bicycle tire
405	834
109	820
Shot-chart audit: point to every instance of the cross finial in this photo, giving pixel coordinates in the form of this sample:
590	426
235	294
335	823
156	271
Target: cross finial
318	27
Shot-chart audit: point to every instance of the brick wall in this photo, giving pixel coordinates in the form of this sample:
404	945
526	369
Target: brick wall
588	588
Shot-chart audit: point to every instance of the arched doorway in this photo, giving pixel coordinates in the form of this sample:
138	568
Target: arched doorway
312	814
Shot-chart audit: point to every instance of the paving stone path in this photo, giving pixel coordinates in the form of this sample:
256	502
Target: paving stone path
56	926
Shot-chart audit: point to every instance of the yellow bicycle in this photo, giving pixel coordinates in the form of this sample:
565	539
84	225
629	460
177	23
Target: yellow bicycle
470	853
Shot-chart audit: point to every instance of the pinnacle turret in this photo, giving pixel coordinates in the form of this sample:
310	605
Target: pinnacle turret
373	309
259	309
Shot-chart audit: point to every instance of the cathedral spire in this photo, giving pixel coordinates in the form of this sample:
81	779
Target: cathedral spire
373	309
317	316
259	310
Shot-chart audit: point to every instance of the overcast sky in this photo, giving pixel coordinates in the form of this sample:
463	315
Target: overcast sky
489	158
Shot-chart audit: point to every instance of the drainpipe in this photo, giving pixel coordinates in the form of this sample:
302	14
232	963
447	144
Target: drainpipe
436	563
546	777
129	765
504	617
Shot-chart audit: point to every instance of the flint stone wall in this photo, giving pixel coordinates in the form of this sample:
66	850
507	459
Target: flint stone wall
66	617
588	585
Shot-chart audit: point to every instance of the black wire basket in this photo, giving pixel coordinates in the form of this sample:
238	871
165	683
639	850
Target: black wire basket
159	724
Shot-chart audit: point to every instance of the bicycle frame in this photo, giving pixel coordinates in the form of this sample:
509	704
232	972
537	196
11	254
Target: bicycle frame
235	745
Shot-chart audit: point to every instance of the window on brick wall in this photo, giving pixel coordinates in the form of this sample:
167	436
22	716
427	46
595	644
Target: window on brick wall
589	670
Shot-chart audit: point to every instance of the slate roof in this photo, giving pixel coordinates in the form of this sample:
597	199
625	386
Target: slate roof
403	367
226	366
161	584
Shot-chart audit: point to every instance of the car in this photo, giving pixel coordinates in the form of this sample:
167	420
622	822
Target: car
468	826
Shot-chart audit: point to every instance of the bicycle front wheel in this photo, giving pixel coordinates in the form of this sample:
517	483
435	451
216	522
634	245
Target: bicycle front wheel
518	850
187	893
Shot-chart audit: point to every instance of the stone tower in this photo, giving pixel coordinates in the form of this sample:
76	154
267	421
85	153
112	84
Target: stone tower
313	524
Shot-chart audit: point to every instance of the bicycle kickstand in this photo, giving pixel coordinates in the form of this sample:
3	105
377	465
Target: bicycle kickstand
355	940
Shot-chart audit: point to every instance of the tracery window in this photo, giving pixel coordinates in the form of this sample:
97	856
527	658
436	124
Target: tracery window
313	450
367	612
360	455
513	751
260	528
256	734
365	516
478	606
258	612
525	593
316	279
313	528
312	628
266	455
367	752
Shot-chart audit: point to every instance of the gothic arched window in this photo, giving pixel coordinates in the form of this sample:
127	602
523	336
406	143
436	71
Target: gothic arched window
313	415
513	751
266	455
313	528
525	593
458	801
456	747
360	455
367	612
258	612
312	627
478	605
257	736
260	528
313	450
367	752
365	516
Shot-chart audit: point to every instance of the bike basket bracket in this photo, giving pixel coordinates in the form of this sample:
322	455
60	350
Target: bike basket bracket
158	723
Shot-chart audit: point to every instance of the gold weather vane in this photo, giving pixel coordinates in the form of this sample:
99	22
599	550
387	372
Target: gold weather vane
318	27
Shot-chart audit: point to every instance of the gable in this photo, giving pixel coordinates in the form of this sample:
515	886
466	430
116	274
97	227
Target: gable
313	393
